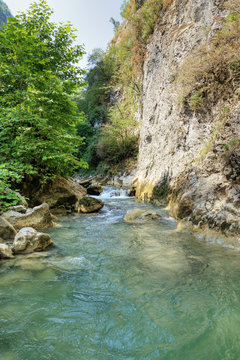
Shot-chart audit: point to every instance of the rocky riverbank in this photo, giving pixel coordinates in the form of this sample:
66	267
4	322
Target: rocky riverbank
20	225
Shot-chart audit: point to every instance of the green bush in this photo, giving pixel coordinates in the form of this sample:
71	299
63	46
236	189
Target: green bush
8	197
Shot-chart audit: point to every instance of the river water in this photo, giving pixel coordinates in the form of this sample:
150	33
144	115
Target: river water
115	291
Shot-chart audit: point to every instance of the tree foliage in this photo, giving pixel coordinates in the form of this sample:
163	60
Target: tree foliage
39	74
113	92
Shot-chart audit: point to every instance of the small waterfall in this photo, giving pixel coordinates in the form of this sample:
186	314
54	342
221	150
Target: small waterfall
111	193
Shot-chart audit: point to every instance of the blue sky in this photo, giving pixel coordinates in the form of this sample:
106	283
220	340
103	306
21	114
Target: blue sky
89	17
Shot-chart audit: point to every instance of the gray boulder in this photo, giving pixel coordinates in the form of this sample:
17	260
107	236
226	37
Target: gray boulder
7	231
18	208
29	240
140	215
115	193
6	252
38	217
89	205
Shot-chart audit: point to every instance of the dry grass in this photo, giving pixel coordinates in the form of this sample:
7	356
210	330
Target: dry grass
214	67
167	3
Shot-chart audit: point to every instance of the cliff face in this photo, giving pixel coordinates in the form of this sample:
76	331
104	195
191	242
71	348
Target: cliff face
183	155
4	12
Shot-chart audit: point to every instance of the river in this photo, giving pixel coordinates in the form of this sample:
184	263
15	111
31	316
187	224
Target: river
110	290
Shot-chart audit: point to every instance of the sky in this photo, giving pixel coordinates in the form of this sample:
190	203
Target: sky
89	17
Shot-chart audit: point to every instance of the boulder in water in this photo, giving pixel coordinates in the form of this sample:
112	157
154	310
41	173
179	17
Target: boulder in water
29	240
38	217
6	252
132	191
89	205
94	189
140	215
61	195
115	193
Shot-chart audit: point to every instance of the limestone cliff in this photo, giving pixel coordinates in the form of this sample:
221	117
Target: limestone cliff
185	157
4	12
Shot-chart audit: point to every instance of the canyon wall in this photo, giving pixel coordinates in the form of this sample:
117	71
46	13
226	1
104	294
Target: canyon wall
183	156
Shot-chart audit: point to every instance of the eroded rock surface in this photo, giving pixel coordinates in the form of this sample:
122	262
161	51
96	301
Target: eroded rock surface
29	240
94	189
89	205
6	252
188	158
38	217
61	195
7	231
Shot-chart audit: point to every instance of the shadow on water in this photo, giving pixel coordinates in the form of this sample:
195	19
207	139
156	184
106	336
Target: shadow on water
112	290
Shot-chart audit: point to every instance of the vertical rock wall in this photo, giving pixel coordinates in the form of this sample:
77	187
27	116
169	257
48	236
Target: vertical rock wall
205	191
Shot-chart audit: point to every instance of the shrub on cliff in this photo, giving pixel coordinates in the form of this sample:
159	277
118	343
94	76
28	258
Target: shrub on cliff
212	71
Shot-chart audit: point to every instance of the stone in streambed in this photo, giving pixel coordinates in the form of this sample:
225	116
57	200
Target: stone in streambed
89	205
140	215
6	252
29	240
132	192
30	264
38	217
61	194
94	189
115	193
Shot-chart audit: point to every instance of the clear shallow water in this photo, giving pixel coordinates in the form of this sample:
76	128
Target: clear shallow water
116	291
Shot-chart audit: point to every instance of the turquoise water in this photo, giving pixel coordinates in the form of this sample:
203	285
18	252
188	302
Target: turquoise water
116	291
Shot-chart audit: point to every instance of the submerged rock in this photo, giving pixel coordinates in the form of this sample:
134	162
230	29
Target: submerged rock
94	189
140	215
115	193
38	217
68	263
30	264
89	205
6	252
29	240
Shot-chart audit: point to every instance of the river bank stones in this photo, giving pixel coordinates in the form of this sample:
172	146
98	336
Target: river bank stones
6	252
39	217
29	240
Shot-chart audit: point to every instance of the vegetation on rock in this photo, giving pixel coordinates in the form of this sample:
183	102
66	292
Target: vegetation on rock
112	97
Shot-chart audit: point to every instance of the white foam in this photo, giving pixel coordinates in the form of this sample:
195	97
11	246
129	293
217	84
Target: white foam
111	193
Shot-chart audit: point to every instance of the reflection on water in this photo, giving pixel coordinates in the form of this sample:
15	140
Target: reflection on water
111	290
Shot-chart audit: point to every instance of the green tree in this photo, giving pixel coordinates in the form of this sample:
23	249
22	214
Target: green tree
39	75
115	23
119	138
